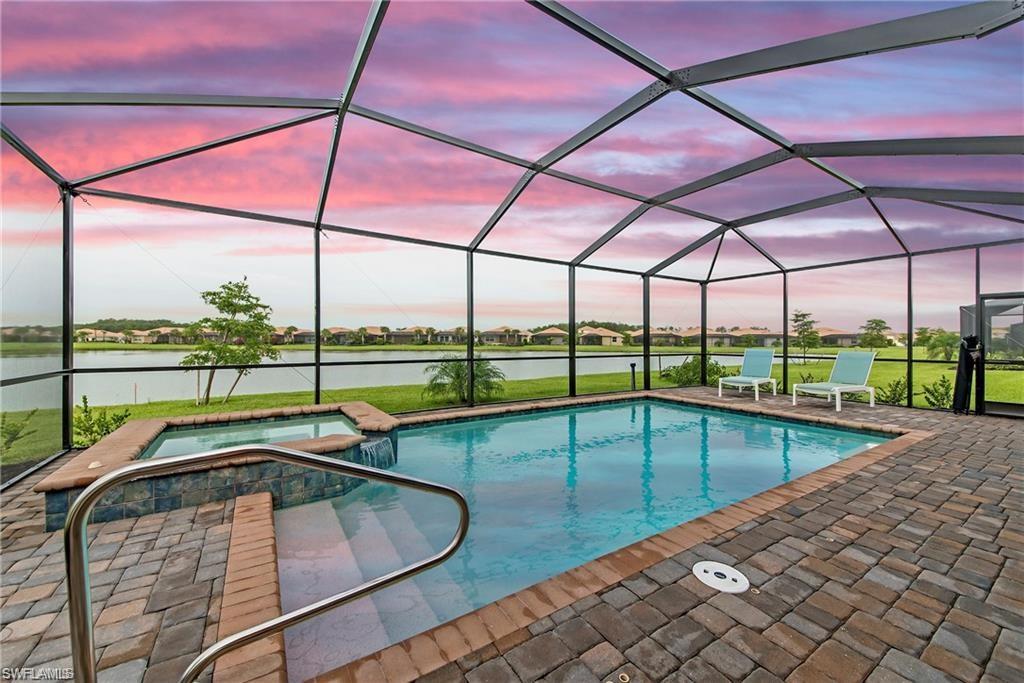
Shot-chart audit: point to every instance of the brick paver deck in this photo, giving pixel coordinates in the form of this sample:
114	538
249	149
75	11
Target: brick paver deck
910	569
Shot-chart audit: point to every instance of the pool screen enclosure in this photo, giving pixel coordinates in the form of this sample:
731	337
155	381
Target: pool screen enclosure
877	180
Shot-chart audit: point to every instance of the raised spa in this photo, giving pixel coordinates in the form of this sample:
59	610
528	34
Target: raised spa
183	440
548	491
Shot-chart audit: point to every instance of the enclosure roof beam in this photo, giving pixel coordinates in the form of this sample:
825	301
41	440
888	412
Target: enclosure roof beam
735	115
24	150
892	231
921	29
696	186
980	212
872	259
950	195
639	101
202	147
598	35
999	144
122	99
611	233
759	249
371	28
799	207
262	217
502	209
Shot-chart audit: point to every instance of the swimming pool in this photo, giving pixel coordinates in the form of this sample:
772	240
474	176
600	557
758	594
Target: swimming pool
182	440
548	491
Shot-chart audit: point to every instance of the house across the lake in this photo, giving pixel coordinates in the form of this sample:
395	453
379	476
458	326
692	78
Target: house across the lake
599	336
411	335
551	336
830	336
455	335
658	337
505	335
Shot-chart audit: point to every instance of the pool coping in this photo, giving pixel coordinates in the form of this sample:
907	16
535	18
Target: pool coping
125	444
251	594
503	623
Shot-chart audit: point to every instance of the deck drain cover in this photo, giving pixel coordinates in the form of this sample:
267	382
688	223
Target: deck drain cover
721	577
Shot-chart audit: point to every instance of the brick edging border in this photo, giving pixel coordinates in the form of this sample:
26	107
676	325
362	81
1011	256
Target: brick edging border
252	595
504	623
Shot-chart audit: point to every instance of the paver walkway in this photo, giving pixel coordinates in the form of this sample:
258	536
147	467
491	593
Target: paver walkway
912	569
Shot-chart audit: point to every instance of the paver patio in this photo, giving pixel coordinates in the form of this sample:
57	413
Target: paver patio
910	569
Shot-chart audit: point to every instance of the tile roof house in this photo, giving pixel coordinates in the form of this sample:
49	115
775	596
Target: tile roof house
508	336
456	335
599	336
658	337
552	335
410	335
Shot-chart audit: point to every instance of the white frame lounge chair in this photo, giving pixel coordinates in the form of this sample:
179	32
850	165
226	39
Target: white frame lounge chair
849	375
756	370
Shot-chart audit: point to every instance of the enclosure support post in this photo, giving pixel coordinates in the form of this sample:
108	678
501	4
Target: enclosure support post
68	318
316	317
910	331
572	330
979	331
703	333
470	333
785	333
647	332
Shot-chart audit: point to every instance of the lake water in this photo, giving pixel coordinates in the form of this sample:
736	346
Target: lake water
143	387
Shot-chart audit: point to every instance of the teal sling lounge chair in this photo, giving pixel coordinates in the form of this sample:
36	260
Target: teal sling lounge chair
849	375
756	370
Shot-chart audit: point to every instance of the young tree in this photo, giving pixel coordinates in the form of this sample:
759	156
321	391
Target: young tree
943	343
289	334
357	336
923	335
385	331
244	319
326	337
430	334
803	328
748	340
873	335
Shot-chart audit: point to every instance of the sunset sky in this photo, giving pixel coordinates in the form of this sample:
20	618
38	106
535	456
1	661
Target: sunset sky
504	75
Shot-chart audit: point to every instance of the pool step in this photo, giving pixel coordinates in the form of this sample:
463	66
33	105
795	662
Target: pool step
409	537
403	607
315	561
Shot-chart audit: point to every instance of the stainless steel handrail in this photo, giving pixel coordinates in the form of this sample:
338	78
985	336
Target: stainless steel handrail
76	551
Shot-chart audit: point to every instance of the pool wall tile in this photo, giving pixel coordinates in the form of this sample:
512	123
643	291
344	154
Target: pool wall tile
288	485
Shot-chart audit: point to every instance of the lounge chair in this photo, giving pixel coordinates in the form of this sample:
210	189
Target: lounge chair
756	370
849	376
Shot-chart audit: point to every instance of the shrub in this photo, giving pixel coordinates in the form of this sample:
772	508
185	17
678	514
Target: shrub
449	378
92	425
894	393
12	430
939	394
687	374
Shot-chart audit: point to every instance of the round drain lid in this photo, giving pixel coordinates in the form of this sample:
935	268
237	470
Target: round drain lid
721	577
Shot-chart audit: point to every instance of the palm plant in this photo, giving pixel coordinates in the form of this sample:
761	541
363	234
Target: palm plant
449	378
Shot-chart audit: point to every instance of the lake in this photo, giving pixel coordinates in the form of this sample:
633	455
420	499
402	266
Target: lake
143	387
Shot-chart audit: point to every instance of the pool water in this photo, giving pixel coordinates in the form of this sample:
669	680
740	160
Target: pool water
547	492
198	439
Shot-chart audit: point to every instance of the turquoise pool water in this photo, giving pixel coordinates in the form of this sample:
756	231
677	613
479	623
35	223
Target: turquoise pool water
199	439
548	491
